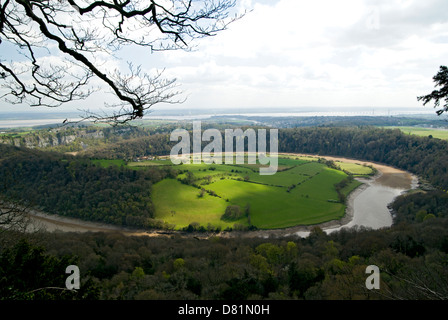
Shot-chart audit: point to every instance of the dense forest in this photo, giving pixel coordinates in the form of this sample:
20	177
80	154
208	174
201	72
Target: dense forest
424	156
412	258
412	254
64	185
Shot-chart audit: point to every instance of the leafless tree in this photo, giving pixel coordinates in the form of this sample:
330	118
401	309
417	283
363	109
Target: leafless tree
65	44
13	216
424	282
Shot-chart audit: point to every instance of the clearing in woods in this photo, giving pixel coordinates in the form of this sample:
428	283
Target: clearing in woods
302	192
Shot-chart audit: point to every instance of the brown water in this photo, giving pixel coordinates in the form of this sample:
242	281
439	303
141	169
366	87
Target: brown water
369	204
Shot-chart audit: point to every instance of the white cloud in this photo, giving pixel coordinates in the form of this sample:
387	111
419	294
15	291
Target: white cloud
324	52
313	53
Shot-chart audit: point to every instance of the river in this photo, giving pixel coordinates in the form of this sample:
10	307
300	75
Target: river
366	206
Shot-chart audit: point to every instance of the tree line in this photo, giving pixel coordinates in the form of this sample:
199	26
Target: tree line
68	186
411	257
423	156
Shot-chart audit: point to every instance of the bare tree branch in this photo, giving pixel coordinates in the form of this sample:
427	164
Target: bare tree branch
60	41
424	283
13	216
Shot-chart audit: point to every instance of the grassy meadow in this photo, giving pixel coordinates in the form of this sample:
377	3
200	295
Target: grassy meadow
426	132
302	192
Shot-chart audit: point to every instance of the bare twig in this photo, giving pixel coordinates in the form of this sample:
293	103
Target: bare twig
60	53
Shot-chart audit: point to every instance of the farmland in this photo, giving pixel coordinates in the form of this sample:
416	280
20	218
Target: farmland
302	192
426	132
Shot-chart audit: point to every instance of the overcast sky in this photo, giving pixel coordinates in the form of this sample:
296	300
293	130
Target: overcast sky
320	53
293	53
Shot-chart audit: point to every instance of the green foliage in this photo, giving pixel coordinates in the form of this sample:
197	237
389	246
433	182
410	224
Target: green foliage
179	263
77	188
423	156
28	273
183	267
232	213
416	207
441	95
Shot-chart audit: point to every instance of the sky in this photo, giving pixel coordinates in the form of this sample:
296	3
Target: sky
320	53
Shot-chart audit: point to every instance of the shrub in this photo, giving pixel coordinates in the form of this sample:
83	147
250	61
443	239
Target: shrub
232	213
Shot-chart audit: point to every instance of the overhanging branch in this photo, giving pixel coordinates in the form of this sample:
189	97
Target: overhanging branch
145	23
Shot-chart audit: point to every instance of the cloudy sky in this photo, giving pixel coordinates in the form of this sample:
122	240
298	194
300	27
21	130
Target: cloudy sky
291	53
320	53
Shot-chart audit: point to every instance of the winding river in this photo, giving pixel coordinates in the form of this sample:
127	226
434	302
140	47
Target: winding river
366	206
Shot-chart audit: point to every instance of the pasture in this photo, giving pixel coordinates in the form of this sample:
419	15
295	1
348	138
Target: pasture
426	132
302	192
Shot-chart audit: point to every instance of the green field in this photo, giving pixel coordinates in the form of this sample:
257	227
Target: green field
354	168
302	192
107	163
180	205
13	134
425	132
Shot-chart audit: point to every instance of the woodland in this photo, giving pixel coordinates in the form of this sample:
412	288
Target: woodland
412	254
